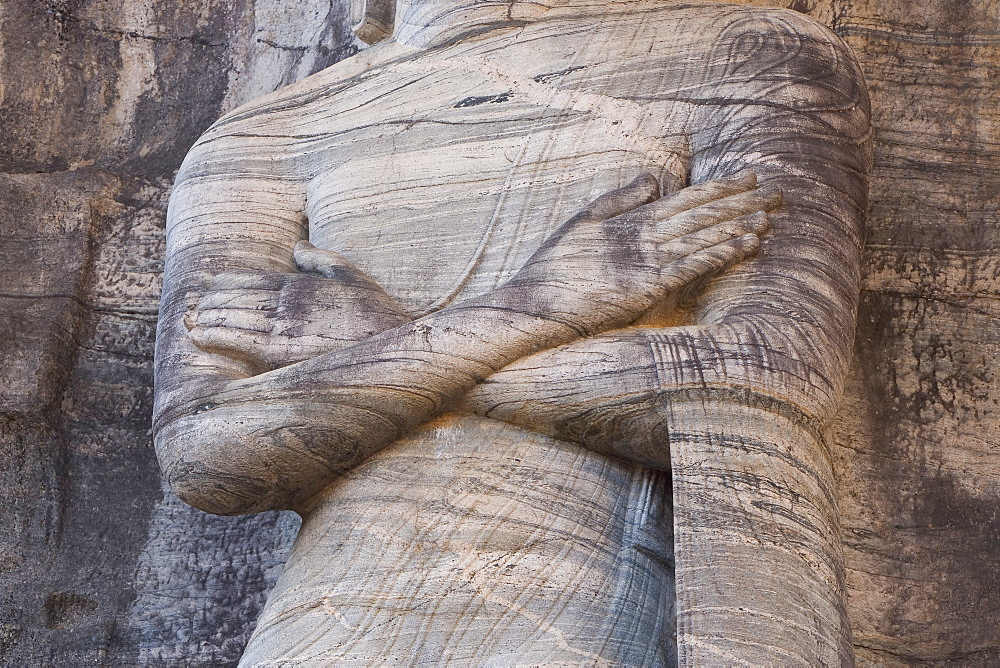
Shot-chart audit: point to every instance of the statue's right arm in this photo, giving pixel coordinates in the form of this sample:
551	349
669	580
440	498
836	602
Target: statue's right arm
232	440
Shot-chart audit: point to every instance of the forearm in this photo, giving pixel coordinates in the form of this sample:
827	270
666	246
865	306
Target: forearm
275	439
232	440
612	393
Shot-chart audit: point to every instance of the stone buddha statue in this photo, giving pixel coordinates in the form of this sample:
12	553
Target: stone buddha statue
514	308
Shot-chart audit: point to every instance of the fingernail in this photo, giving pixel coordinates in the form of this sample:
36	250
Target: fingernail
749	242
770	192
743	175
645	180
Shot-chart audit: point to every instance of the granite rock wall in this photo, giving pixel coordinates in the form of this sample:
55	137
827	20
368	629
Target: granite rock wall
99	102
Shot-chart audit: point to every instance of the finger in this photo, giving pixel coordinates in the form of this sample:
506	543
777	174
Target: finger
248	319
321	261
331	264
644	189
259	300
230	342
720	211
710	261
739	190
641	191
755	223
702	193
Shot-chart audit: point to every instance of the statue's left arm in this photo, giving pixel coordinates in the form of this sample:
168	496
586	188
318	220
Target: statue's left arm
784	98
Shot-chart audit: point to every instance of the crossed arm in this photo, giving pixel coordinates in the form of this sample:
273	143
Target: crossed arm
234	437
778	327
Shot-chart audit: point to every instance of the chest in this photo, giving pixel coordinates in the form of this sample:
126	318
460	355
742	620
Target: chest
440	176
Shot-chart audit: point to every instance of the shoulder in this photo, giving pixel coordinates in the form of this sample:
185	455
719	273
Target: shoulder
721	51
267	132
246	136
718	23
779	39
778	56
759	40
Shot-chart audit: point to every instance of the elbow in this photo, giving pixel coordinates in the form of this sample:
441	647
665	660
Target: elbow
761	361
213	491
211	470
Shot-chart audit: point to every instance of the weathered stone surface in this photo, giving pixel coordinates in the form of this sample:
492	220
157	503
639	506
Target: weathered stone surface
101	99
918	437
131	85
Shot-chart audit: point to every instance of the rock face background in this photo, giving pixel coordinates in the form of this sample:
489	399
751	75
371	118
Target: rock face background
99	101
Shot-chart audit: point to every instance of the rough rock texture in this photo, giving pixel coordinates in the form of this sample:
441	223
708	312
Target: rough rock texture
919	436
100	101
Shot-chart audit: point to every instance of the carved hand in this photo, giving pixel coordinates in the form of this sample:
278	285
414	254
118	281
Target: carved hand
273	319
597	390
630	248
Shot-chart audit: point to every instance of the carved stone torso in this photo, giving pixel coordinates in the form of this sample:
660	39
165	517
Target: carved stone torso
443	533
439	174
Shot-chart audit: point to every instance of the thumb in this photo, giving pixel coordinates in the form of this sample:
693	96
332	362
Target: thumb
319	261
